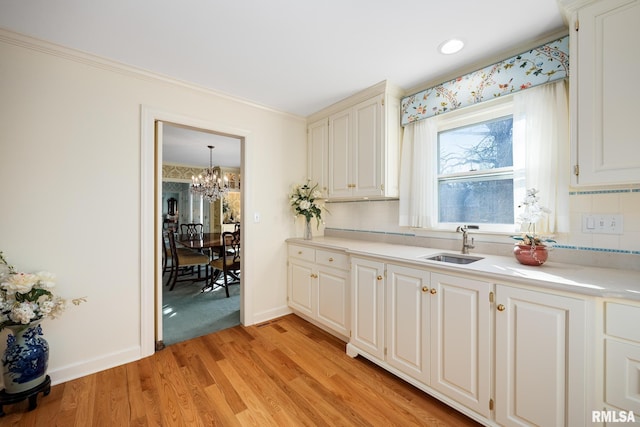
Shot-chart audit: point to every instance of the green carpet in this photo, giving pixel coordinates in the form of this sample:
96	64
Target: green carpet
189	313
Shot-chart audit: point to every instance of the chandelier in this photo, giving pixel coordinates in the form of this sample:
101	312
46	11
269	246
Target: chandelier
209	185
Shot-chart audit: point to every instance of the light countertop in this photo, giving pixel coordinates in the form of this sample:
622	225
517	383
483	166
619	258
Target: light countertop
594	281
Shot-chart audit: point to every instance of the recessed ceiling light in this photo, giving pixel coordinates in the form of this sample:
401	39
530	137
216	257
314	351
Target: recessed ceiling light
451	46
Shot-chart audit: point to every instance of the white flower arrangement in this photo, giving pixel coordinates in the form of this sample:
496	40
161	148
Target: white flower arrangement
304	201
28	297
533	212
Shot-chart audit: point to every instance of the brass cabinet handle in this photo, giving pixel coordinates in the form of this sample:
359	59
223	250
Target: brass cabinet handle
314	276
501	307
433	291
425	289
379	277
330	259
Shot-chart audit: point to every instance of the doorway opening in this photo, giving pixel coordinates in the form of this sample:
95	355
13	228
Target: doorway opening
198	306
151	218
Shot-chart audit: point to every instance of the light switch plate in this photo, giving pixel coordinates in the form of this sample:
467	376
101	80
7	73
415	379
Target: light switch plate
602	223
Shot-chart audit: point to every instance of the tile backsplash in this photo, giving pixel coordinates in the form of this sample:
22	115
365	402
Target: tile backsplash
378	220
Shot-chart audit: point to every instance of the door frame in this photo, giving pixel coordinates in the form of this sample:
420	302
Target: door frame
150	207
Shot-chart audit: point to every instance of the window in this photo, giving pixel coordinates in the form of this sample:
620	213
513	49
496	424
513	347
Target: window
476	168
468	166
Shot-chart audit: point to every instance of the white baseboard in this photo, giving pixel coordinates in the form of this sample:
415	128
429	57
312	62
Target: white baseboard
267	315
88	367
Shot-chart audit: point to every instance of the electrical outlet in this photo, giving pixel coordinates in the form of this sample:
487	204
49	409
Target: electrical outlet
602	223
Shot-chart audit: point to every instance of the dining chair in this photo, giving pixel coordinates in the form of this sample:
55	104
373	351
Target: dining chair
191	228
167	255
182	258
226	268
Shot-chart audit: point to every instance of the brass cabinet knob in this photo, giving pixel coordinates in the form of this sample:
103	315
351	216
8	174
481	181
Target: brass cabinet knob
379	277
425	289
501	307
314	276
299	252
330	259
433	291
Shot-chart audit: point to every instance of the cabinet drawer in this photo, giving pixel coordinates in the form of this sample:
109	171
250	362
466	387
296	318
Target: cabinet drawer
332	259
302	252
622	321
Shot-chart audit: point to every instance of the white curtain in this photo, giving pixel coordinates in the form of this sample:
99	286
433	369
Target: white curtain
418	174
541	121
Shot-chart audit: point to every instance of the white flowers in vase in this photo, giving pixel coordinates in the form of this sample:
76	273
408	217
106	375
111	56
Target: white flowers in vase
304	201
28	297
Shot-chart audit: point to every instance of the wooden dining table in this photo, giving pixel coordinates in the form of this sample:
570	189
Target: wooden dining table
201	241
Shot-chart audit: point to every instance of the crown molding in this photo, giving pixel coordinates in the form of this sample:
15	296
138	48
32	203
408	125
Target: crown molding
53	49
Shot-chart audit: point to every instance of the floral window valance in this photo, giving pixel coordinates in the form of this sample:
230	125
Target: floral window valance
541	65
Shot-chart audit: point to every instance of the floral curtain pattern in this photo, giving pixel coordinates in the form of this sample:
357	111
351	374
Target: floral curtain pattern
544	64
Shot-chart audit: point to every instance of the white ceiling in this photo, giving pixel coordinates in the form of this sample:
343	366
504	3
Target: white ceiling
295	56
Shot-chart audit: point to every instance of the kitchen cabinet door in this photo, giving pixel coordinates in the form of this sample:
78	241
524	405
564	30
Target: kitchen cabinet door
356	153
340	154
407	321
366	165
367	307
540	359
318	154
301	280
603	97
333	299
461	341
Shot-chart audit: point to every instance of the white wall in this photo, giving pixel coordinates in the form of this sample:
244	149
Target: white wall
70	168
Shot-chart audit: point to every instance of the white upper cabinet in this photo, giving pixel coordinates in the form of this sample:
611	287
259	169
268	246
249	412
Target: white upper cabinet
318	149
604	95
362	145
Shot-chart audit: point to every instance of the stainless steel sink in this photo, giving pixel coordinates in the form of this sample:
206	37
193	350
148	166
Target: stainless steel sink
453	258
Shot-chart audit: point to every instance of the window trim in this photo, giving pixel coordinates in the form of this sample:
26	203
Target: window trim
500	107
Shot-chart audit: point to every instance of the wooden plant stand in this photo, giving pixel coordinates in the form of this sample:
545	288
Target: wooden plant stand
31	394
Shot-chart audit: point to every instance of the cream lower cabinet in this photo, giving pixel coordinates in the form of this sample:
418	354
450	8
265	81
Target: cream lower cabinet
432	329
367	308
461	362
504	355
540	348
301	274
332	293
407	321
318	286
622	358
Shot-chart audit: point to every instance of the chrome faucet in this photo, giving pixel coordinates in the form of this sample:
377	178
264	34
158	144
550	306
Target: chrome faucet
465	243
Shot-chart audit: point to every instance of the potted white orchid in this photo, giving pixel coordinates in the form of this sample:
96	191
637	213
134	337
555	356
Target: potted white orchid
530	248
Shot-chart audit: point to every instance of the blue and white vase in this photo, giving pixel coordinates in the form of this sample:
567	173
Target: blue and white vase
25	361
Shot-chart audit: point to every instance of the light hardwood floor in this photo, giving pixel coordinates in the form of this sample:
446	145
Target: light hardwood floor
283	373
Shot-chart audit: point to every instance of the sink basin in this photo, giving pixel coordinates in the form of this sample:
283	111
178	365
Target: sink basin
453	258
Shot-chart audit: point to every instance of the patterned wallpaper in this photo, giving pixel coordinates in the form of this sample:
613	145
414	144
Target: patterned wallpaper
179	172
537	66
